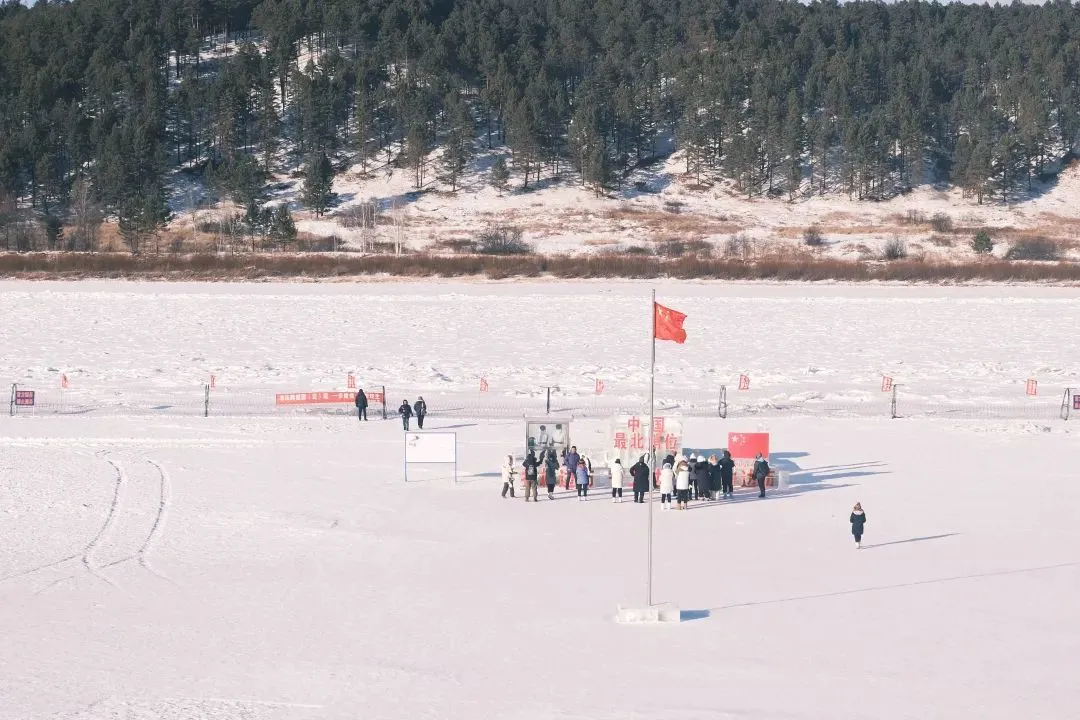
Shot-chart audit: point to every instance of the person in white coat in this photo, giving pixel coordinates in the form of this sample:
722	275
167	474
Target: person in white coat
618	472
508	473
682	485
667	486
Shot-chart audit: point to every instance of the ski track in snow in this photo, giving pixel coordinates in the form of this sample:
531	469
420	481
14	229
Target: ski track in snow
88	555
122	509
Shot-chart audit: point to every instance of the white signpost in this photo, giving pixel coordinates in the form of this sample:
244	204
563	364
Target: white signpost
430	448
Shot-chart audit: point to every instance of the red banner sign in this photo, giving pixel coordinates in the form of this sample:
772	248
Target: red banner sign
350	381
376	397
1076	402
483	385
744	382
64	382
1032	387
315	398
886	383
24	398
599	386
748	445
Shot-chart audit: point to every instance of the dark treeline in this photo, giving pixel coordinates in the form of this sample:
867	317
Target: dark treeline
104	102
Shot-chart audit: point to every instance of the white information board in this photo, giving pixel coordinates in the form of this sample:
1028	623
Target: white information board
430	447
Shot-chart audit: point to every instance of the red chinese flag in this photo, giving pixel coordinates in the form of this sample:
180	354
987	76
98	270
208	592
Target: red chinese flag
743	446
667	324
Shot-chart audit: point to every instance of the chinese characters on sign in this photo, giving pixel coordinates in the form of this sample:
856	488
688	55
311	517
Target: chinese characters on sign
24	398
1032	387
744	382
629	437
315	398
886	383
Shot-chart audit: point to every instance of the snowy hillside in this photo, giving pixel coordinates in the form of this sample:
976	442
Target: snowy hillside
660	206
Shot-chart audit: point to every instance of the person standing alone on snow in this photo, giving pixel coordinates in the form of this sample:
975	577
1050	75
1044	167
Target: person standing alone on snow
532	470
361	405
405	412
420	410
667	486
858	521
508	476
617	473
761	473
640	473
581	478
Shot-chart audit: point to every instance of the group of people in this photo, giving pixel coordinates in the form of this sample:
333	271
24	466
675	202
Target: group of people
577	468
699	478
692	476
417	410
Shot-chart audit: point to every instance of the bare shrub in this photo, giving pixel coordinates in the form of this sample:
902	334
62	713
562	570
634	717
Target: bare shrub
738	245
678	247
913	217
674	206
503	240
1037	248
895	249
941	223
812	236
941	241
454	245
361	215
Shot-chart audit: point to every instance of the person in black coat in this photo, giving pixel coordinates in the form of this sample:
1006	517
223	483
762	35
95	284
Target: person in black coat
640	473
550	459
761	473
702	486
715	481
420	410
532	475
405	411
727	474
858	521
361	405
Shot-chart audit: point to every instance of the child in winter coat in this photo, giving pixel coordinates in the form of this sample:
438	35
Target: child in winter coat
858	520
618	472
667	486
682	485
582	479
508	476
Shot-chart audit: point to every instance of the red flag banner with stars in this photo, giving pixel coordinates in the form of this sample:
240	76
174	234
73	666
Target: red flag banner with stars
668	324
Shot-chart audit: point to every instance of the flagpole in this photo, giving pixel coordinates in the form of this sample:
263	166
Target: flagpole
652	459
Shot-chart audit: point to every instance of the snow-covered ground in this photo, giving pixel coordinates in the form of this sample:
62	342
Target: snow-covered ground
797	343
278	568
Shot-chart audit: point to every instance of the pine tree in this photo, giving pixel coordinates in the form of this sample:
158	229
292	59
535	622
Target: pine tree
318	183
458	146
282	227
500	174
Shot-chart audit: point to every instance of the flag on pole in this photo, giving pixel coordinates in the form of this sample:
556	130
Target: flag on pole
668	324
